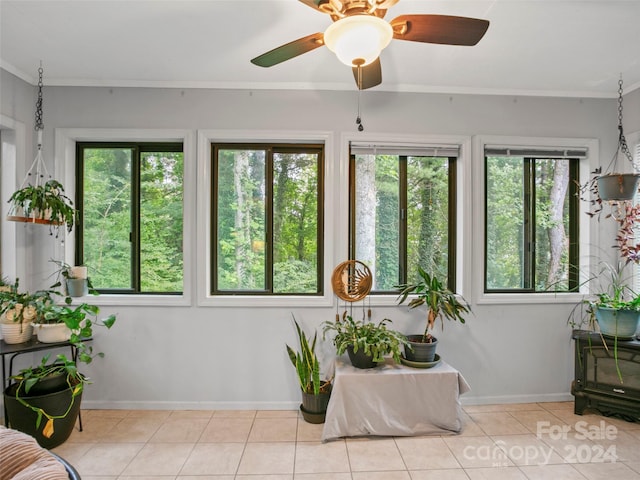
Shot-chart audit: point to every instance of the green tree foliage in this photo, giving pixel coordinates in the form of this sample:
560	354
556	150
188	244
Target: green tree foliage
527	195
108	206
387	221
428	215
505	217
243	197
161	222
423	207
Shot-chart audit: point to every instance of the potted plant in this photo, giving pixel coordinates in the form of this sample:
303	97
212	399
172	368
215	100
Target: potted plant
42	203
617	187
16	313
59	323
315	392
75	278
441	303
366	343
44	400
612	309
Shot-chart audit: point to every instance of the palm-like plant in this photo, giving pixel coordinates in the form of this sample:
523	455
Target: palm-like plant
440	301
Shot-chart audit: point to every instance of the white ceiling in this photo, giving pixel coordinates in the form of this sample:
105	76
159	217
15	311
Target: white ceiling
533	47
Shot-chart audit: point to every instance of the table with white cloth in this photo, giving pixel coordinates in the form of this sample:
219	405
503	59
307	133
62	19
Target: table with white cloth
394	400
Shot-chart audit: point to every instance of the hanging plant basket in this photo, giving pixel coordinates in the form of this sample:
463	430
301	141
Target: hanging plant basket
44	204
618	186
39	201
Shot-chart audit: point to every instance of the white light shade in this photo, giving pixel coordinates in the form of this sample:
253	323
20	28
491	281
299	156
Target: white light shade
358	37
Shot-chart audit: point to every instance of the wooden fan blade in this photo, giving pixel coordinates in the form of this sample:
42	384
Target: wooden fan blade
442	29
289	50
371	75
315	4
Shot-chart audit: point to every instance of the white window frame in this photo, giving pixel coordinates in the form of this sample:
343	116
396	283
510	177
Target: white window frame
203	233
65	158
588	234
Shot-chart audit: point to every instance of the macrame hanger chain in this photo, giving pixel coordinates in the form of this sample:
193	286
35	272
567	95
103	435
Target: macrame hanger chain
622	141
38	164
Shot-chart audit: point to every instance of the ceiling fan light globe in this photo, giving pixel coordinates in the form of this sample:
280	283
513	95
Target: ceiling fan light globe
358	38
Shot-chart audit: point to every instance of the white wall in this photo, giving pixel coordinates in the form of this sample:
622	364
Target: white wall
212	357
631	111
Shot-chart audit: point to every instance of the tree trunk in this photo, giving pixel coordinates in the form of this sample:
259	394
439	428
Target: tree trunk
242	220
556	233
366	206
279	202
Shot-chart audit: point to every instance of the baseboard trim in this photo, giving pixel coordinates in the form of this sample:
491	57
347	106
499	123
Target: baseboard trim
502	399
155	405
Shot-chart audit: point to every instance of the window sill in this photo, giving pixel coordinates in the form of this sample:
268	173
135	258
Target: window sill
528	298
133	300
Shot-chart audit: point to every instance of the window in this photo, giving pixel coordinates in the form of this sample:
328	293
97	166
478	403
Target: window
130	230
267	219
531	220
403	212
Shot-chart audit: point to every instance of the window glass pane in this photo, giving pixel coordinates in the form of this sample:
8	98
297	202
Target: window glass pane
528	224
107	216
241	220
295	223
427	216
161	175
505	223
377	205
552	224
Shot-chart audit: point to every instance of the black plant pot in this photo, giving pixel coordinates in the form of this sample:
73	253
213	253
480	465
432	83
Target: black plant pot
51	384
314	407
359	359
316	403
24	419
422	352
311	417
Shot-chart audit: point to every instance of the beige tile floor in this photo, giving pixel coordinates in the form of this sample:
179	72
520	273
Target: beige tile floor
534	441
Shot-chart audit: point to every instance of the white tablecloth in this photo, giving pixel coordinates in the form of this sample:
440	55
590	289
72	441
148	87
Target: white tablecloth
394	400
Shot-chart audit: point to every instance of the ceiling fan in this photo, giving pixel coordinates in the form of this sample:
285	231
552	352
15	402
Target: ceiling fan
358	34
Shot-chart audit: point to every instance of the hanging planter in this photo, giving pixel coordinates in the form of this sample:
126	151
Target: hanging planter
612	187
616	187
44	204
38	200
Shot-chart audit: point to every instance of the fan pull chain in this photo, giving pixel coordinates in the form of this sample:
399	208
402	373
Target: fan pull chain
358	119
